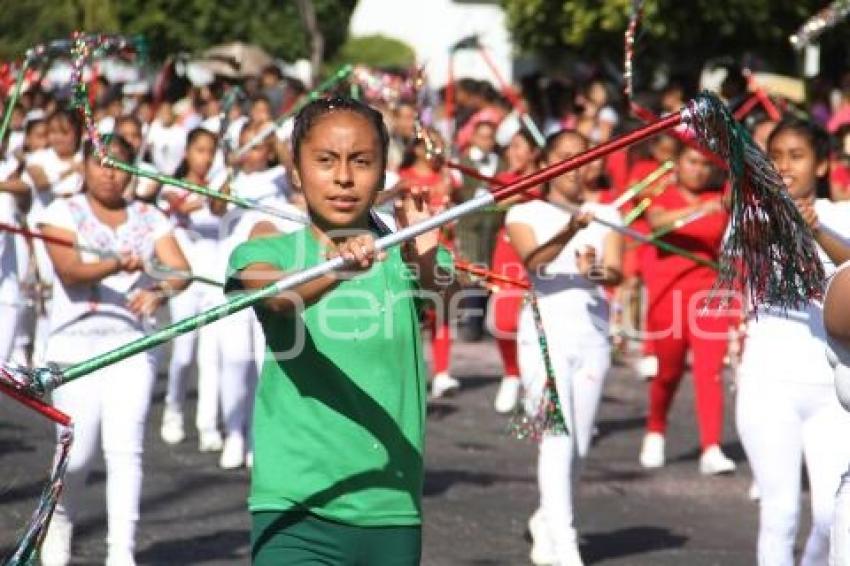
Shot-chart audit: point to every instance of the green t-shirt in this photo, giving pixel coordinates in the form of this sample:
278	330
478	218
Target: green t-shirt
339	418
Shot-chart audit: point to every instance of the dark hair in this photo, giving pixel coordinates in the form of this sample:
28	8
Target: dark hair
183	169
128	119
553	139
110	140
73	119
817	138
310	114
529	138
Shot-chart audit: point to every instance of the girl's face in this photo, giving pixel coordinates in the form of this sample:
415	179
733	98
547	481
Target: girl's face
200	155
61	137
693	170
261	112
795	160
340	169
663	149
37	137
131	133
257	158
569	184
107	184
519	154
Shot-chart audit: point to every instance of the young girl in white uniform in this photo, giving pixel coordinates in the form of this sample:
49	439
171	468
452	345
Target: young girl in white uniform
100	304
259	183
568	260
787	412
197	231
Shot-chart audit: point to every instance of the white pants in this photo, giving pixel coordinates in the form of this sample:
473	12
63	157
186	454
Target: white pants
580	360
781	424
9	316
109	406
197	298
236	348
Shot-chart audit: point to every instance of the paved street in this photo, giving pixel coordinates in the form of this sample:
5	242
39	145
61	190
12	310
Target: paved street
479	492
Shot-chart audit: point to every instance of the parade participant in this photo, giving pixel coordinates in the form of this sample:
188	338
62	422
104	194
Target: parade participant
197	230
420	171
354	385
99	304
568	262
787	411
680	318
521	156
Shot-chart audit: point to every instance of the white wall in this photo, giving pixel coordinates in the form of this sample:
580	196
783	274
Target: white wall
431	26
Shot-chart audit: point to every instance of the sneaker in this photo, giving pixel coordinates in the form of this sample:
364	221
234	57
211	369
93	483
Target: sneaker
172	431
754	493
542	547
209	441
652	451
508	395
713	462
56	548
120	558
646	367
233	453
569	555
443	385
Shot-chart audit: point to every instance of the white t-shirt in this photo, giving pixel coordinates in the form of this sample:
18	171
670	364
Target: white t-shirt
261	185
167	146
106	299
9	288
790	345
56	170
577	300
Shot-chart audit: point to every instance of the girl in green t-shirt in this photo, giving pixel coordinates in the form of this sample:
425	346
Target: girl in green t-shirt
340	413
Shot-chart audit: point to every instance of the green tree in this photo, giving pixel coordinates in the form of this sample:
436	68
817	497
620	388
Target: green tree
376	51
170	26
672	31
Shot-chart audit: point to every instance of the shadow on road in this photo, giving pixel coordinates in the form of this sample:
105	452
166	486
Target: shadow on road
596	547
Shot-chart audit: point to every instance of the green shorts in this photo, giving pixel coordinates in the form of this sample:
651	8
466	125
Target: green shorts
296	538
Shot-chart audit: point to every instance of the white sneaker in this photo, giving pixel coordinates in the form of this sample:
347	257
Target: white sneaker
249	459
652	451
443	385
209	441
569	555
172	431
646	367
233	453
56	548
122	558
508	395
542	547
754	493
713	462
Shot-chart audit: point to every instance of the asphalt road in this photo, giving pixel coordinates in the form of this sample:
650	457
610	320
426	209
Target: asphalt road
480	487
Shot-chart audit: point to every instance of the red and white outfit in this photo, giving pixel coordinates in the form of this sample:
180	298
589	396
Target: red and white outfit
678	319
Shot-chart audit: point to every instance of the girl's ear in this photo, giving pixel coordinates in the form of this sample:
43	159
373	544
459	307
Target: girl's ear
296	179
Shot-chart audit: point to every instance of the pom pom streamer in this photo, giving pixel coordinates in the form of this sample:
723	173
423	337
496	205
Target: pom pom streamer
14	383
548	416
762	213
629	47
824	20
30	541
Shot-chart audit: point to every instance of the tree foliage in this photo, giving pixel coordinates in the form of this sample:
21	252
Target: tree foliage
376	51
672	31
171	26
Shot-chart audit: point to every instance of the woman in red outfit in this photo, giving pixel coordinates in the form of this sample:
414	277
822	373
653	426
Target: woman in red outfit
678	317
521	156
418	170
